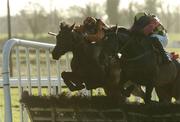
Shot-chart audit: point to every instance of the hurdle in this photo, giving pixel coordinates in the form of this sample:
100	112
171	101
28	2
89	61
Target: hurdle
54	84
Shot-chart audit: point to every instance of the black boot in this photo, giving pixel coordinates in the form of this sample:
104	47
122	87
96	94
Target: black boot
157	44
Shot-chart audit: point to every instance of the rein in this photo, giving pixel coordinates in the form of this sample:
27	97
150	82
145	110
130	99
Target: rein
124	46
136	57
139	56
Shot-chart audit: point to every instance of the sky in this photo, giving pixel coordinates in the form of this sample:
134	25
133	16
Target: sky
17	5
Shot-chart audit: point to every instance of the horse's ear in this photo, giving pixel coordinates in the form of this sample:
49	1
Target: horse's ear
72	26
116	29
62	24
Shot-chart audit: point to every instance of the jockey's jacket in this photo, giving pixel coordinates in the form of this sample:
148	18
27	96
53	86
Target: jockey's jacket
93	37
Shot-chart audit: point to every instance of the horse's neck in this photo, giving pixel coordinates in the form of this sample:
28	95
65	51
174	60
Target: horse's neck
79	49
136	48
131	51
128	45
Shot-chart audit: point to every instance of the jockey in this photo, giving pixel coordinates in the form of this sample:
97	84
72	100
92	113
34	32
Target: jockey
150	26
92	29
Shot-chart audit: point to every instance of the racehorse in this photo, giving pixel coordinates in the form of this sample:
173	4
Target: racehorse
167	91
141	63
92	65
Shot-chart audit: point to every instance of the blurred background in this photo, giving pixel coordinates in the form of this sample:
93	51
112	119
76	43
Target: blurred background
32	19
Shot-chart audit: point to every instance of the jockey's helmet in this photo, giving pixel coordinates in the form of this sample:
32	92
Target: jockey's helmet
139	15
90	24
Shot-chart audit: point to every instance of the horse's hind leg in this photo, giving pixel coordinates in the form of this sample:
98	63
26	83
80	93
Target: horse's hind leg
163	95
149	89
176	90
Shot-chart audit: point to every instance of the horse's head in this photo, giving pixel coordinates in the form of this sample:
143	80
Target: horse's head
64	40
116	39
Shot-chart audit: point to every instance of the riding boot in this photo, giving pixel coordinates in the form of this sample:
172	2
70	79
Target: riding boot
157	44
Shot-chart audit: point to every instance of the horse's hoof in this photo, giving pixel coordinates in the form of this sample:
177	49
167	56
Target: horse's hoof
72	87
69	85
77	87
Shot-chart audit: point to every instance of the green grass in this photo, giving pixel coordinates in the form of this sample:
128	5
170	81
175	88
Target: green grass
174	37
15	105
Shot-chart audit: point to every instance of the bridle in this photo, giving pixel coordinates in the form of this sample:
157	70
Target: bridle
133	58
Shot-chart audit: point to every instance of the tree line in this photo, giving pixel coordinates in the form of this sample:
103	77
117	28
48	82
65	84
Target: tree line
35	20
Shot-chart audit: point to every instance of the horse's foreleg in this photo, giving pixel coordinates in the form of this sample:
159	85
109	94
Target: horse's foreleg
71	81
77	80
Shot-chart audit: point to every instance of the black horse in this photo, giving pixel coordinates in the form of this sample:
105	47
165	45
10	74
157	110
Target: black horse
93	65
90	67
141	63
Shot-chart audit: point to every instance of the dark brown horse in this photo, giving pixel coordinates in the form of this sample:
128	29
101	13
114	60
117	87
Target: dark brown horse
92	65
171	89
141	64
88	71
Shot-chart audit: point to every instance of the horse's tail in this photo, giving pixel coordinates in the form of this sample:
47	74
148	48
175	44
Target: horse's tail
176	88
177	63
